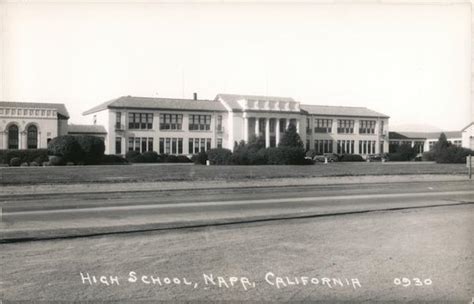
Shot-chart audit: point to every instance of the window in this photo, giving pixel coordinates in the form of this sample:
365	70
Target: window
137	144
32	137
162	145
13	137
130	144
180	146
118	145
345	126
219	142
367	147
141	121
196	145
200	122
367	127
202	147
171	121
190	146
208	144
118	120
219	123
322	126
25	112
94	119
150	144
168	146
174	145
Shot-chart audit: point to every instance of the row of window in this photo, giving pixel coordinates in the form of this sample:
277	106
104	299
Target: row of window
345	146
344	126
166	145
27	112
31	137
144	121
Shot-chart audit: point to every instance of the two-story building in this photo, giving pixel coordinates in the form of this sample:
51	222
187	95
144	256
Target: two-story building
188	126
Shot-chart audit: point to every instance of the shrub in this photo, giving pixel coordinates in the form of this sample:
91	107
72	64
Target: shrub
133	156
220	156
149	157
34	164
113	160
24	164
93	148
351	158
291	138
183	159
293	155
171	159
453	154
15	162
57	161
67	147
275	156
37	155
200	158
428	156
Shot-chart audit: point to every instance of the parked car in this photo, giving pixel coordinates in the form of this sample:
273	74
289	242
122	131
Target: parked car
320	158
377	158
331	157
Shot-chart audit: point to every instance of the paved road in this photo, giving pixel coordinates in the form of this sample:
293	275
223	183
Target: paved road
36	216
355	258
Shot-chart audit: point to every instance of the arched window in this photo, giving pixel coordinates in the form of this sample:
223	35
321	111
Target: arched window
32	139
13	137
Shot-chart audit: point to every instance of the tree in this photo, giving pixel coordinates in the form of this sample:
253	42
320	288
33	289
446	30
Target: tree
291	138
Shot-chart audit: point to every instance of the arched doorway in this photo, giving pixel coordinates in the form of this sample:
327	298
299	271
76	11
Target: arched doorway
32	137
13	137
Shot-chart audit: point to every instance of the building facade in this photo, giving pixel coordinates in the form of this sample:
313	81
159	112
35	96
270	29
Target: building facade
25	125
423	141
188	126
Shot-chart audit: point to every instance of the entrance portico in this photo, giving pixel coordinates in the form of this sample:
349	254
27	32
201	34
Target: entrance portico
269	127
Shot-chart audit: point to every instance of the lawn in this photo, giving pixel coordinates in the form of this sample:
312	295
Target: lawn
180	172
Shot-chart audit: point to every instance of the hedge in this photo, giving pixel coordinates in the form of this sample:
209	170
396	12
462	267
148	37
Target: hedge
113	160
67	147
351	158
199	158
220	156
93	148
26	156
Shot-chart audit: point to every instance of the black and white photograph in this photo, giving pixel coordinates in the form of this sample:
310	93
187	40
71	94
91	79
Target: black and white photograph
206	151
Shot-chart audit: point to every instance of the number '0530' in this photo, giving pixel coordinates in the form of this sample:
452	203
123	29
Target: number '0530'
406	282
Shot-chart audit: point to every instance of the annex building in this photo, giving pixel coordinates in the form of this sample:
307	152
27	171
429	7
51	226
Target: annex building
423	141
188	126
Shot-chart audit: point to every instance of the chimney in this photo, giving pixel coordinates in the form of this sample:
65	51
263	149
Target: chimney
195	96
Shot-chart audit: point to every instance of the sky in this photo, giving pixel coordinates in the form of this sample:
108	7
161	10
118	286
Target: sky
411	62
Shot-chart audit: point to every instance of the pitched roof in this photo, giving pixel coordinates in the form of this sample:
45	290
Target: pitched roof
467	127
341	111
59	107
86	129
232	99
423	135
158	103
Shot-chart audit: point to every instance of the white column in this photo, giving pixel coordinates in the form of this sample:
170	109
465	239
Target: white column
277	132
298	126
246	129
267	132
257	126
377	133
38	140
287	123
